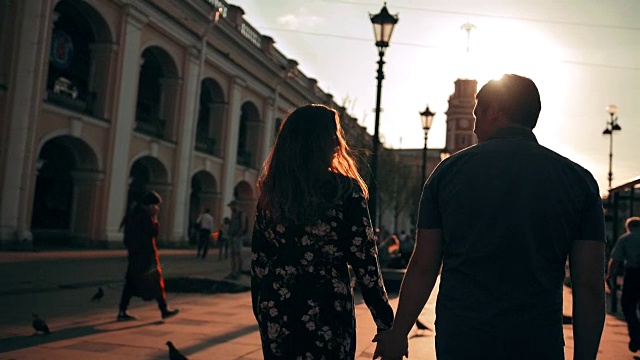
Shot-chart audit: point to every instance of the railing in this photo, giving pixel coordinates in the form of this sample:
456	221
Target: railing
278	57
206	144
150	125
250	33
244	158
82	103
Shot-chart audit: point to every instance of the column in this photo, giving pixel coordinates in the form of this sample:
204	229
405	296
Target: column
231	145
24	101
123	124
268	131
185	152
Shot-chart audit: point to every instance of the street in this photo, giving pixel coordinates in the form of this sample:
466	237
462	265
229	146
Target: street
58	285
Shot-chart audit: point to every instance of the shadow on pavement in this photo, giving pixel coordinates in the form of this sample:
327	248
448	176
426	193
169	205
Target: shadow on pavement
22	342
202	286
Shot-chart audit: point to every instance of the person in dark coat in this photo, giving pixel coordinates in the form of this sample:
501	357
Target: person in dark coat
144	274
312	223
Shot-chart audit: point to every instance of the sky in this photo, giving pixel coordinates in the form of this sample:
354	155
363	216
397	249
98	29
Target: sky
582	54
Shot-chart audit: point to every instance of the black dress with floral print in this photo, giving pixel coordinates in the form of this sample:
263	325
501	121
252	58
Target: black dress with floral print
300	281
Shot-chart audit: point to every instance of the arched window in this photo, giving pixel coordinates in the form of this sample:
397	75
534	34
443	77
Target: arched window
76	79
210	118
70	60
157	93
249	135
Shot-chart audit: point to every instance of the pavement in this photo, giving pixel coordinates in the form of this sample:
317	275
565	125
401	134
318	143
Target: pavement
58	286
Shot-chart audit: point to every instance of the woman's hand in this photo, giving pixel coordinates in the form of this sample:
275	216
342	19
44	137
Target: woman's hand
390	345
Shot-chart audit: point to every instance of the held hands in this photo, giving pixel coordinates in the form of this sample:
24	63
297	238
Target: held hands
390	345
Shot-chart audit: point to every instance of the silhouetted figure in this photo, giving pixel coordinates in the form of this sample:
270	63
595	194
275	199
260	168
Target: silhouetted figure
205	228
98	295
144	273
498	221
174	354
223	239
238	229
312	222
626	252
40	325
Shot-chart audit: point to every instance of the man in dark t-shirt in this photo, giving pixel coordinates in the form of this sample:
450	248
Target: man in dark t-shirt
501	218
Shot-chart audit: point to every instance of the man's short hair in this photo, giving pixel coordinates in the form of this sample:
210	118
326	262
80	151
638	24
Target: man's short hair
632	223
517	96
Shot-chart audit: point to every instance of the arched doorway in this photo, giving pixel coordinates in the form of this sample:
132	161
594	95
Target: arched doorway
204	195
64	197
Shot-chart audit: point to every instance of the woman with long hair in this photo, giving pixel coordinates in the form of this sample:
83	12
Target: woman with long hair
312	222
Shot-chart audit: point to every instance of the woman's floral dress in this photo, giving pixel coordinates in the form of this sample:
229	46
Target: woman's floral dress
300	282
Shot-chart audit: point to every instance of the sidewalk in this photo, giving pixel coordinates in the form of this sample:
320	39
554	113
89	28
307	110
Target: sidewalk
218	326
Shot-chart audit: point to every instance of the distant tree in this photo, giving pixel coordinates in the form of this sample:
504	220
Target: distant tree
399	186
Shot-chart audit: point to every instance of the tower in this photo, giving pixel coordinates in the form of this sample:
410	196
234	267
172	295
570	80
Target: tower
461	103
460	116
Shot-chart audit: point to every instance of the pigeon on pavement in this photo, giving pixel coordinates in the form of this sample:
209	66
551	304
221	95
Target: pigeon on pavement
98	295
39	324
174	354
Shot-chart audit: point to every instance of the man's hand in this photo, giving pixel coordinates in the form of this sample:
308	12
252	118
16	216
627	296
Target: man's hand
390	345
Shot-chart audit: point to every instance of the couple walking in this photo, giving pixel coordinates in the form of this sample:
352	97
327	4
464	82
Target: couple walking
505	214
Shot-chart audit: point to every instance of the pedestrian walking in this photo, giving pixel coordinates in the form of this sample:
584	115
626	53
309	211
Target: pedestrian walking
144	273
206	227
626	252
238	229
312	222
501	218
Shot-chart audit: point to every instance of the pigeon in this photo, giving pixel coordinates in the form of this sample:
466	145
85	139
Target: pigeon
39	325
421	326
174	354
98	295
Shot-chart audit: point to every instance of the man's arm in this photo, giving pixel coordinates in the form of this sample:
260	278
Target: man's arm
586	262
417	285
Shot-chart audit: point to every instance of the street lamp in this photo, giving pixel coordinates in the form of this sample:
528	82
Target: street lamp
383	24
612	126
427	119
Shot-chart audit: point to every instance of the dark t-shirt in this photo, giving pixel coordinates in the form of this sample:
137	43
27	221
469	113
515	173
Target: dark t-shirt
509	210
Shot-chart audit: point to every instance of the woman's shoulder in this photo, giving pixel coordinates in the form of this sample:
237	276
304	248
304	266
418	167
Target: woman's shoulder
348	185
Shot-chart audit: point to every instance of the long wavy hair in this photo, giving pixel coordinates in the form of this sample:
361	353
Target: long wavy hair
309	151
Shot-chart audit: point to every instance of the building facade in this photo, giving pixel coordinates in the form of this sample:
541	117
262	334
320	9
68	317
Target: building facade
101	100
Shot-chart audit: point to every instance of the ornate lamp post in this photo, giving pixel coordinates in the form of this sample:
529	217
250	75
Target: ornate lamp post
383	24
427	119
612	126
